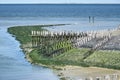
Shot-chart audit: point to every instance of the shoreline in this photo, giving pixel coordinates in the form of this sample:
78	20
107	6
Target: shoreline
70	72
62	70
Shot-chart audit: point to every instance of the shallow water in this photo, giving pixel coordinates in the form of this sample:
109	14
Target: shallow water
13	65
82	24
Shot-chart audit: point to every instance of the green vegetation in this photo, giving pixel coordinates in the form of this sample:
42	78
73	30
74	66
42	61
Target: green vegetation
22	33
67	58
104	58
76	55
60	53
55	48
55	52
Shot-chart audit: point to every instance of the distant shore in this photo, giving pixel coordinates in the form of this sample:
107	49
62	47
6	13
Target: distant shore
67	64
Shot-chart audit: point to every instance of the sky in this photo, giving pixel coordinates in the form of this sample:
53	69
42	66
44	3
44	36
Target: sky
61	1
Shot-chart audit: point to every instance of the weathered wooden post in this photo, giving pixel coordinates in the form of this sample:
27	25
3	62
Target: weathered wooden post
32	33
93	19
89	19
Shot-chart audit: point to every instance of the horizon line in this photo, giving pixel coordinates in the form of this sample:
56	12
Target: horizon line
59	3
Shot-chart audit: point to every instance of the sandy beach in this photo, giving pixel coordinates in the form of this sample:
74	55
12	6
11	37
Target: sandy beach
85	73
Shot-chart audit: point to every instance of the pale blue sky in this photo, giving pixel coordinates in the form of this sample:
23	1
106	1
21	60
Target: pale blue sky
60	1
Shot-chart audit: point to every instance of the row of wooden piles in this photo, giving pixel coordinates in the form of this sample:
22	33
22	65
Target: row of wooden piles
74	39
52	43
39	37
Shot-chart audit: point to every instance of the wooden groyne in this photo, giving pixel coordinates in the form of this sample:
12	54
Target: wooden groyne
76	38
46	40
38	37
52	43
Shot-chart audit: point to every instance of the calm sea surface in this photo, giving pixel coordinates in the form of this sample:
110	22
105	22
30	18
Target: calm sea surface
13	66
62	10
